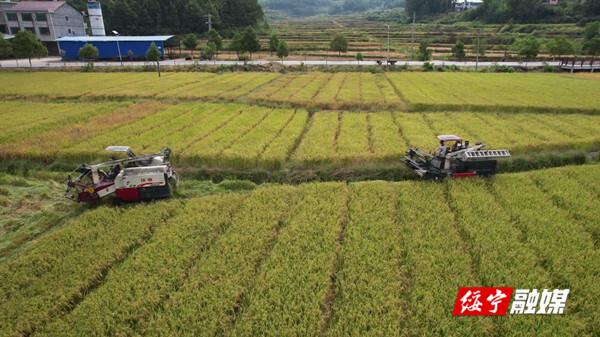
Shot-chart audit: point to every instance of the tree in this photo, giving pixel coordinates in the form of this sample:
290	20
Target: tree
154	55
88	53
427	7
339	44
5	47
592	48
424	53
458	50
216	39
273	44
559	47
250	42
178	17
209	50
26	45
282	50
190	42
592	30
591	7
236	44
528	47
359	57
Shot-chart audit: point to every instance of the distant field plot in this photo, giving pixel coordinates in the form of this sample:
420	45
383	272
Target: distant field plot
472	91
132	85
331	91
233	135
364	137
314	260
22	119
356	91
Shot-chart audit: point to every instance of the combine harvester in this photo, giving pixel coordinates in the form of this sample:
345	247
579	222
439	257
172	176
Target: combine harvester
463	163
133	179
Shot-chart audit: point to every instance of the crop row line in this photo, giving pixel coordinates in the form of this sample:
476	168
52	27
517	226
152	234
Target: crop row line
205	136
327	308
245	132
298	141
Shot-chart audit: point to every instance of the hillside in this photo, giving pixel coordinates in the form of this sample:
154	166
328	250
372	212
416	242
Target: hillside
304	8
147	17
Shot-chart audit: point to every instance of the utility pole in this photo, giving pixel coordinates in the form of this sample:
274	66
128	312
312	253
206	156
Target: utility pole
209	21
477	51
388	44
412	36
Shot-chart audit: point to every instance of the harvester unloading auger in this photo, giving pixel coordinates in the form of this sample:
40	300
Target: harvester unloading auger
464	161
135	178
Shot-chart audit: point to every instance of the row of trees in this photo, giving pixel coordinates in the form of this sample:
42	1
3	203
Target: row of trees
530	47
244	42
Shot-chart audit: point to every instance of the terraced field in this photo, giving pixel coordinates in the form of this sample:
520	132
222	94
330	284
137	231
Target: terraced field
326	259
244	136
400	91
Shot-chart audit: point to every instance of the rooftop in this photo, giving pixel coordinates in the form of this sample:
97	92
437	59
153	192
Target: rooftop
36	6
114	38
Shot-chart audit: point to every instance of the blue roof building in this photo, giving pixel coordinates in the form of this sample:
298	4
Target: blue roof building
109	47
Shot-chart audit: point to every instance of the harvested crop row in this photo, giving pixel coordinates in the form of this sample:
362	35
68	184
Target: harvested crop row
64	266
132	292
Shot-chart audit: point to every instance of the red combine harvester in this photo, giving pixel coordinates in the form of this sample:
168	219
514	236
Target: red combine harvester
460	161
135	178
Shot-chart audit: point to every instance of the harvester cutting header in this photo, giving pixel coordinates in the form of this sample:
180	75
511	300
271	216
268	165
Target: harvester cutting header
458	161
132	179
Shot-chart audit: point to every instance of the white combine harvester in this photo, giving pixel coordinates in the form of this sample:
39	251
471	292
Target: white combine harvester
470	161
135	178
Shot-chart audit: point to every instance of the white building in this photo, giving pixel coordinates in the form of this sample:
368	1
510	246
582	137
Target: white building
48	20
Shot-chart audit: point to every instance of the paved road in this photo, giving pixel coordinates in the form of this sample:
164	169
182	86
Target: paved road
51	62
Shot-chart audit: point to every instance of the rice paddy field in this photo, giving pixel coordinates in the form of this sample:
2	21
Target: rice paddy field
241	136
321	259
333	257
315	90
